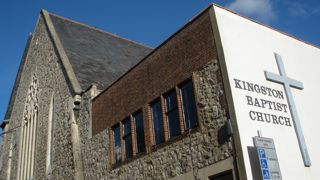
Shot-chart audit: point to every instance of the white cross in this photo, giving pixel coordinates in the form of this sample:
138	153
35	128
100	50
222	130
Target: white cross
287	83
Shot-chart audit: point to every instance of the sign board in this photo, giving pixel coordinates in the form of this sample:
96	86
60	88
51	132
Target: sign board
268	159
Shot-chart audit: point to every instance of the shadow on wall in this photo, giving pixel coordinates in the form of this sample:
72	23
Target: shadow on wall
225	133
254	162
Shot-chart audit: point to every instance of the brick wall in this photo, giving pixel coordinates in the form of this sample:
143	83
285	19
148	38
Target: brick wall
189	53
174	61
201	149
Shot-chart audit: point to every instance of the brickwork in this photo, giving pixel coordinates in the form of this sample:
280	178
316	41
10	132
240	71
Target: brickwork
186	52
148	128
164	120
201	149
181	121
189	54
133	132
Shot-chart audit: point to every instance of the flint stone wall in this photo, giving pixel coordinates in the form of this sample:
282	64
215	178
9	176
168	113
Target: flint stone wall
43	61
206	146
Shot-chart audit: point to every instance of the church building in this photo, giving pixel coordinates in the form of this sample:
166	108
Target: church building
223	98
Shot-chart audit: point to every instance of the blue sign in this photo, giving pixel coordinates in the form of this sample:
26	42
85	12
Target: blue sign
266	174
264	164
262	153
267	159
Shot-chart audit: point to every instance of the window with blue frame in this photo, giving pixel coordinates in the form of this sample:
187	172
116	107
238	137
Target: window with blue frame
138	119
157	122
172	114
188	105
127	138
165	111
117	144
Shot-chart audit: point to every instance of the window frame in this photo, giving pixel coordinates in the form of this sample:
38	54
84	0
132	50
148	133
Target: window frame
186	123
118	125
136	132
127	136
175	109
170	102
162	139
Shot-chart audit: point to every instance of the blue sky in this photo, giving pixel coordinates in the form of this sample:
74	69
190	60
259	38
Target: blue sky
146	21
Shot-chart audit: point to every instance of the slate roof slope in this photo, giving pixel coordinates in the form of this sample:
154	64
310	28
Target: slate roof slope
96	56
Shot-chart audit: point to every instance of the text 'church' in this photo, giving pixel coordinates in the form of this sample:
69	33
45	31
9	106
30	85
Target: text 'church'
223	98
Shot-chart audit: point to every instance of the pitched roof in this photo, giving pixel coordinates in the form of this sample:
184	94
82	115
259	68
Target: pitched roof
96	56
92	56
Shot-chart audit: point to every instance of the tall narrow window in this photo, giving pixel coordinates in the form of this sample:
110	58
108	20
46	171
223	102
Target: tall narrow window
138	118
157	122
188	105
51	124
127	138
117	144
28	132
172	114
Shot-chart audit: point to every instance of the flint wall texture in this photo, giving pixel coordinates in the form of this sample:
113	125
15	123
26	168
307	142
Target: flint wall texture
42	60
206	146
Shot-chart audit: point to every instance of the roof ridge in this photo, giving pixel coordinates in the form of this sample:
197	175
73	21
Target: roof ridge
61	52
99	30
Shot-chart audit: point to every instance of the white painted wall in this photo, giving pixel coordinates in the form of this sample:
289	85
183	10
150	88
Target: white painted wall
249	51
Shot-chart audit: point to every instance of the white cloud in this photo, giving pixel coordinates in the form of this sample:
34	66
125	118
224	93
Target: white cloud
301	9
261	10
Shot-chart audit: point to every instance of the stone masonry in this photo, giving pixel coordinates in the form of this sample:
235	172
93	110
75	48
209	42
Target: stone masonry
202	148
190	52
43	61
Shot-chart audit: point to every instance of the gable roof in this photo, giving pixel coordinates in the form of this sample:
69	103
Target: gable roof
96	56
89	55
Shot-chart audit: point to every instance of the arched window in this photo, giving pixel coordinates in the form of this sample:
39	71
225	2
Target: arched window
28	132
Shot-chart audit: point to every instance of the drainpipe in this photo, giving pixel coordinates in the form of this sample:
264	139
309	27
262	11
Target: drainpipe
77	160
9	162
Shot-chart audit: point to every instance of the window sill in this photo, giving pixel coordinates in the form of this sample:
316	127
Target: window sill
156	147
127	161
174	139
